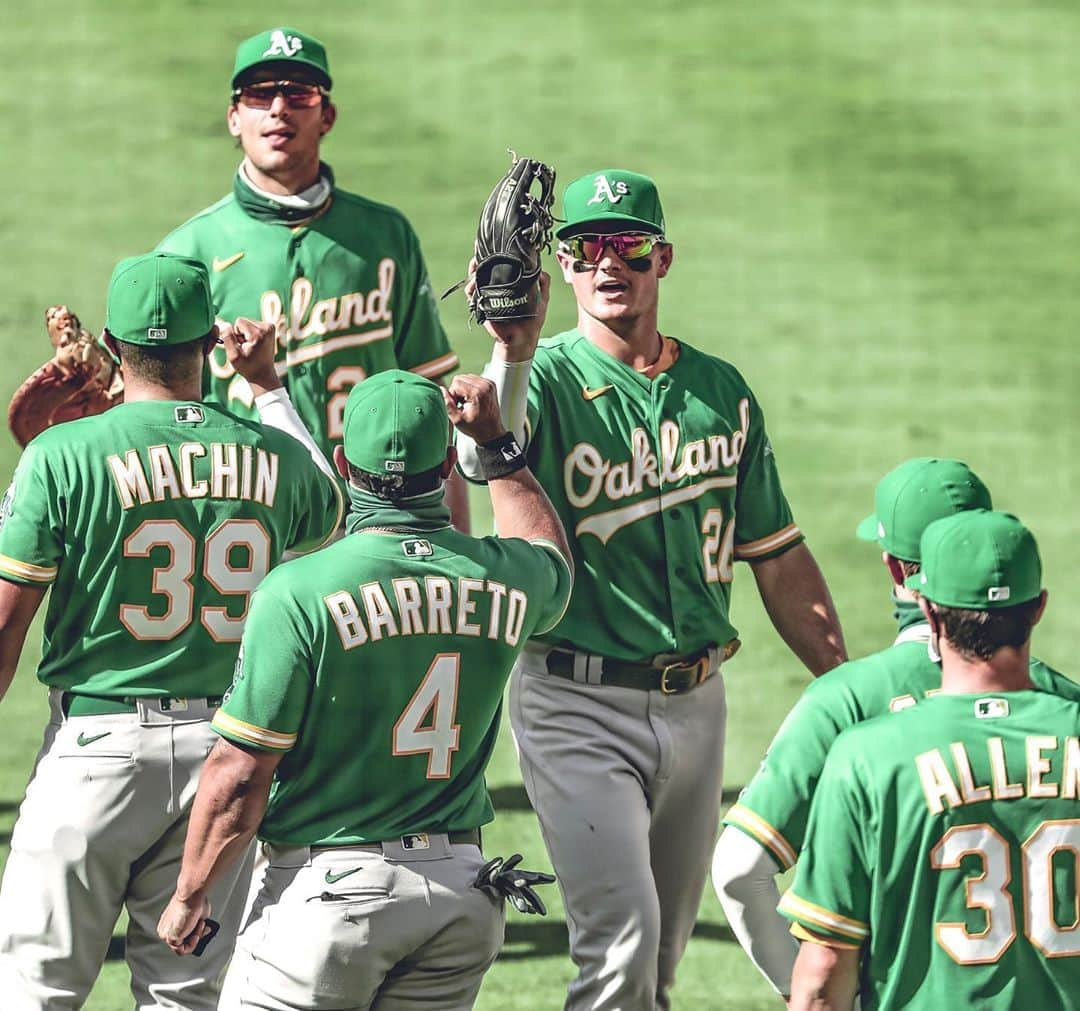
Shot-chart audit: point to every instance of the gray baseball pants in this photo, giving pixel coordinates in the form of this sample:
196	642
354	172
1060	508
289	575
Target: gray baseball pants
626	785
350	928
102	828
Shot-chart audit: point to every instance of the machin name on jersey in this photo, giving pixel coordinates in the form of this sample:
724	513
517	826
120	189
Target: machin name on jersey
236	471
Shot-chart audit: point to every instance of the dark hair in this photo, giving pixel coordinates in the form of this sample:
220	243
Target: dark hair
982	633
396	486
909	568
166	364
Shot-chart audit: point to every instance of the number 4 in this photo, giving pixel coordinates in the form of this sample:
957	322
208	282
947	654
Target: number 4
437	695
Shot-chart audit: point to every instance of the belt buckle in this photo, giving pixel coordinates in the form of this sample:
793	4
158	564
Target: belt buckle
173	705
699	667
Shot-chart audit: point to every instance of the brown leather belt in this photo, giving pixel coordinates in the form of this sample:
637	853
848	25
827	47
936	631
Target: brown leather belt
674	678
418	839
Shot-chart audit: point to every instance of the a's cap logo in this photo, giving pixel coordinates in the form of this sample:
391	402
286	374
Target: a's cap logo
283	45
998	593
157	333
991	709
189	415
606	192
881	530
395	466
417	549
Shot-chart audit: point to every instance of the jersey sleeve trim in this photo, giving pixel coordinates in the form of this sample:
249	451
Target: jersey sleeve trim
818	917
551	548
437	366
799	931
760	830
765	545
248	733
26	571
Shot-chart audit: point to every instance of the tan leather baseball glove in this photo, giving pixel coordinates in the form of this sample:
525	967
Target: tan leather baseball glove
79	380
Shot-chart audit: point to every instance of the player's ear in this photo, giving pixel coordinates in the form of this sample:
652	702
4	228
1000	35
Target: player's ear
566	265
896	570
329	117
341	465
665	254
448	464
232	120
1042	607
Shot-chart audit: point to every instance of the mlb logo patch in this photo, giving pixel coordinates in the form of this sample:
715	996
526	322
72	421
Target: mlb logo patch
997	593
417	549
189	415
416	841
395	466
991	709
157	333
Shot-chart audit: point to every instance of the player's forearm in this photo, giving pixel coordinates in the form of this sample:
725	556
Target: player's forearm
276	410
798	602
825	978
511	379
457	501
18	605
522	509
228	808
744	876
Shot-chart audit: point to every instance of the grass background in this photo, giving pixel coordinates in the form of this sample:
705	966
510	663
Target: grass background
875	212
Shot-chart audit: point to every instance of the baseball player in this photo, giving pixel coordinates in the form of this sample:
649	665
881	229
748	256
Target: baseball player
765	829
152	523
656	458
366	704
943	843
342	276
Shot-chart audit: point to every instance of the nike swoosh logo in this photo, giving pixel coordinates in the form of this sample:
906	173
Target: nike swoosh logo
82	740
588	394
220	265
331	878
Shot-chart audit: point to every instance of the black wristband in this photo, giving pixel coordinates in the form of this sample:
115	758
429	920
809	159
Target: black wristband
500	457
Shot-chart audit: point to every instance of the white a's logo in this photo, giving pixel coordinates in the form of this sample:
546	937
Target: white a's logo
605	191
283	45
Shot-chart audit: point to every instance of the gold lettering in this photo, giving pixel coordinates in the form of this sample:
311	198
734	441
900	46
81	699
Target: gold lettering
999	774
971	793
439	599
1037	766
223	470
1070	774
937	784
346	618
129	478
515	616
191	487
246	453
377	608
467	606
407	595
163	477
497	591
266	477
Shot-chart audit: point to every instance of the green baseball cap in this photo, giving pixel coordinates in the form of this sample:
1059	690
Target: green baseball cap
910	497
158	299
979	560
282	45
611	200
395	423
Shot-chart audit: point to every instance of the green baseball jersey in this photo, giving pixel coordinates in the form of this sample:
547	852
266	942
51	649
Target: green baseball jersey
945	840
379	666
153	523
775	806
661	484
348	291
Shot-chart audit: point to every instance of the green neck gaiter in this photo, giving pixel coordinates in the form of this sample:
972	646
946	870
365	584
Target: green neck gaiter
264	208
419	514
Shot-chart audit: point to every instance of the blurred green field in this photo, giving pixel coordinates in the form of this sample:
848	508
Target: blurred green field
874	207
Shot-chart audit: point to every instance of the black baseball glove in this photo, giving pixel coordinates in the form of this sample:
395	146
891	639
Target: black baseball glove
502	879
515	225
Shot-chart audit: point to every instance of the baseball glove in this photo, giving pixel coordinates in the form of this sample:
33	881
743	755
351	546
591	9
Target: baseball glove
502	879
515	225
79	380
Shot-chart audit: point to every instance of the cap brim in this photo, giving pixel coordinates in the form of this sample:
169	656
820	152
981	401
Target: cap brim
607	224
868	529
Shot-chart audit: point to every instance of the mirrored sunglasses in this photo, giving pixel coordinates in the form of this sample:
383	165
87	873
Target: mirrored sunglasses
627	245
296	95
